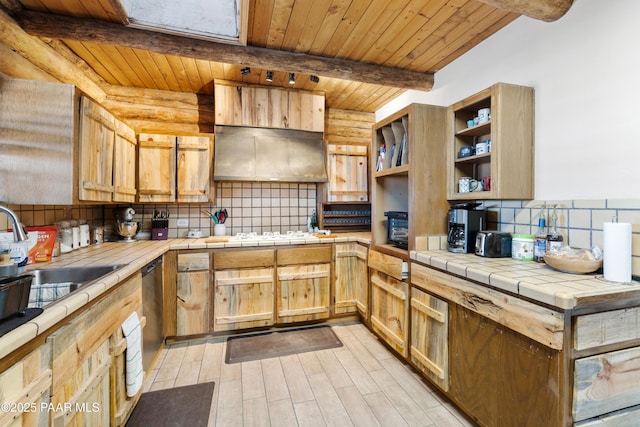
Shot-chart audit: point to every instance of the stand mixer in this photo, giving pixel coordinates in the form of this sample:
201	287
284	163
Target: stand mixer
126	227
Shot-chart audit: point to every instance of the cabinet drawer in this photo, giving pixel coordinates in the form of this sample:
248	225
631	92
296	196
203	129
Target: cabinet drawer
390	265
606	382
243	259
610	327
313	255
193	261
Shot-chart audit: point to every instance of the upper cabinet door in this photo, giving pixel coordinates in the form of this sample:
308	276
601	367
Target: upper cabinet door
195	154
124	167
347	171
156	168
268	107
95	162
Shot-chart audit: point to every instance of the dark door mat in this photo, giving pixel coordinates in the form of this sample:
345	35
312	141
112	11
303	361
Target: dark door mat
181	406
283	343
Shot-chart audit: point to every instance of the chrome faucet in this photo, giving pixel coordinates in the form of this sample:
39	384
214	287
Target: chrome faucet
18	232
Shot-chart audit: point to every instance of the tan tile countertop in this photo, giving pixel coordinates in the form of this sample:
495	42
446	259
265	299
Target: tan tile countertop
538	282
134	256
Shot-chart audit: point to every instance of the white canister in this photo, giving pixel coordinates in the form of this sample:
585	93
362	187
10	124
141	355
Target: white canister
483	115
75	235
522	247
85	235
219	230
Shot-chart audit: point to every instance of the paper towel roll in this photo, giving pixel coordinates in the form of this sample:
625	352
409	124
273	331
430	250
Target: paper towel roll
617	251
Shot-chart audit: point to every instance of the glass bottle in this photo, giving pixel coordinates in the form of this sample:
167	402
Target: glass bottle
540	243
554	239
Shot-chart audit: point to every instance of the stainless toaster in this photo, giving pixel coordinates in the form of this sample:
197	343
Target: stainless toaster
493	244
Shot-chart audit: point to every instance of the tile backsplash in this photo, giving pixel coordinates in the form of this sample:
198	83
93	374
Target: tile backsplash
252	206
255	206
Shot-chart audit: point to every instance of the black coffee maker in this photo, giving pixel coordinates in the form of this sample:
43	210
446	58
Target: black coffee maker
464	221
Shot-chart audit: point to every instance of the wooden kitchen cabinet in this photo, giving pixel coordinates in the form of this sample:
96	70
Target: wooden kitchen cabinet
27	383
253	106
389	310
303	283
429	349
193	298
416	183
244	284
506	356
175	168
347	172
97	140
347	189
351	286
124	164
107	156
82	358
501	377
510	130
194	169
156	168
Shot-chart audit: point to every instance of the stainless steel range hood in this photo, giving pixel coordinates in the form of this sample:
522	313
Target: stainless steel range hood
261	154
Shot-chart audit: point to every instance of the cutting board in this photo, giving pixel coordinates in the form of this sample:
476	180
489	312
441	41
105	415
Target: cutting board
216	239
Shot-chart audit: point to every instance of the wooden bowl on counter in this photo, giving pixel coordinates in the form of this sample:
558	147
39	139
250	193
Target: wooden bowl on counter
572	264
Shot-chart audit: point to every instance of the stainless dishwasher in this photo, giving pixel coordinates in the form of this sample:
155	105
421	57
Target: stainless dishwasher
152	309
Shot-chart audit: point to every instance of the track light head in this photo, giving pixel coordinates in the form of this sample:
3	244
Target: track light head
245	71
269	76
292	78
314	78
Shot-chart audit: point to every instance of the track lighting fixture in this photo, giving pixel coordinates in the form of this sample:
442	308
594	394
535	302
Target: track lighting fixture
269	76
314	79
245	71
292	78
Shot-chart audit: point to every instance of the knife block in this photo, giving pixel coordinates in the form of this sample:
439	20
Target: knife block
159	229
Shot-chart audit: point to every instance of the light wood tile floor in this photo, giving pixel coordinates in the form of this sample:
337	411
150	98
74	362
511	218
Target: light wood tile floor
359	384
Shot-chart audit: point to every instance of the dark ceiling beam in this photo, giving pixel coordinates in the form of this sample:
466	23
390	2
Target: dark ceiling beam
543	10
89	30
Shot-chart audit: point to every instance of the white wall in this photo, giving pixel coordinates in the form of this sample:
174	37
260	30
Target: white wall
585	69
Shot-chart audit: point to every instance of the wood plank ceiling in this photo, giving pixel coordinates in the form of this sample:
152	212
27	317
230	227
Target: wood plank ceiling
420	36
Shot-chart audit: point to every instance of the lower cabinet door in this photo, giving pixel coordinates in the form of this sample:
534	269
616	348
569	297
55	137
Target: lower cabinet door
303	292
243	299
351	279
390	310
429	336
192	303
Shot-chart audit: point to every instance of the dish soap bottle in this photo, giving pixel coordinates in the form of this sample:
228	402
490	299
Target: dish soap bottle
554	239
540	243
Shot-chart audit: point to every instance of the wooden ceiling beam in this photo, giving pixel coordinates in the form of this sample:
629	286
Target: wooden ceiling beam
543	10
42	56
89	30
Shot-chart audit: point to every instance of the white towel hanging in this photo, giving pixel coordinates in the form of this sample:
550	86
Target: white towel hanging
133	354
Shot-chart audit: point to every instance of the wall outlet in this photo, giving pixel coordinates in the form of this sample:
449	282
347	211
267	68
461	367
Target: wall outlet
182	223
